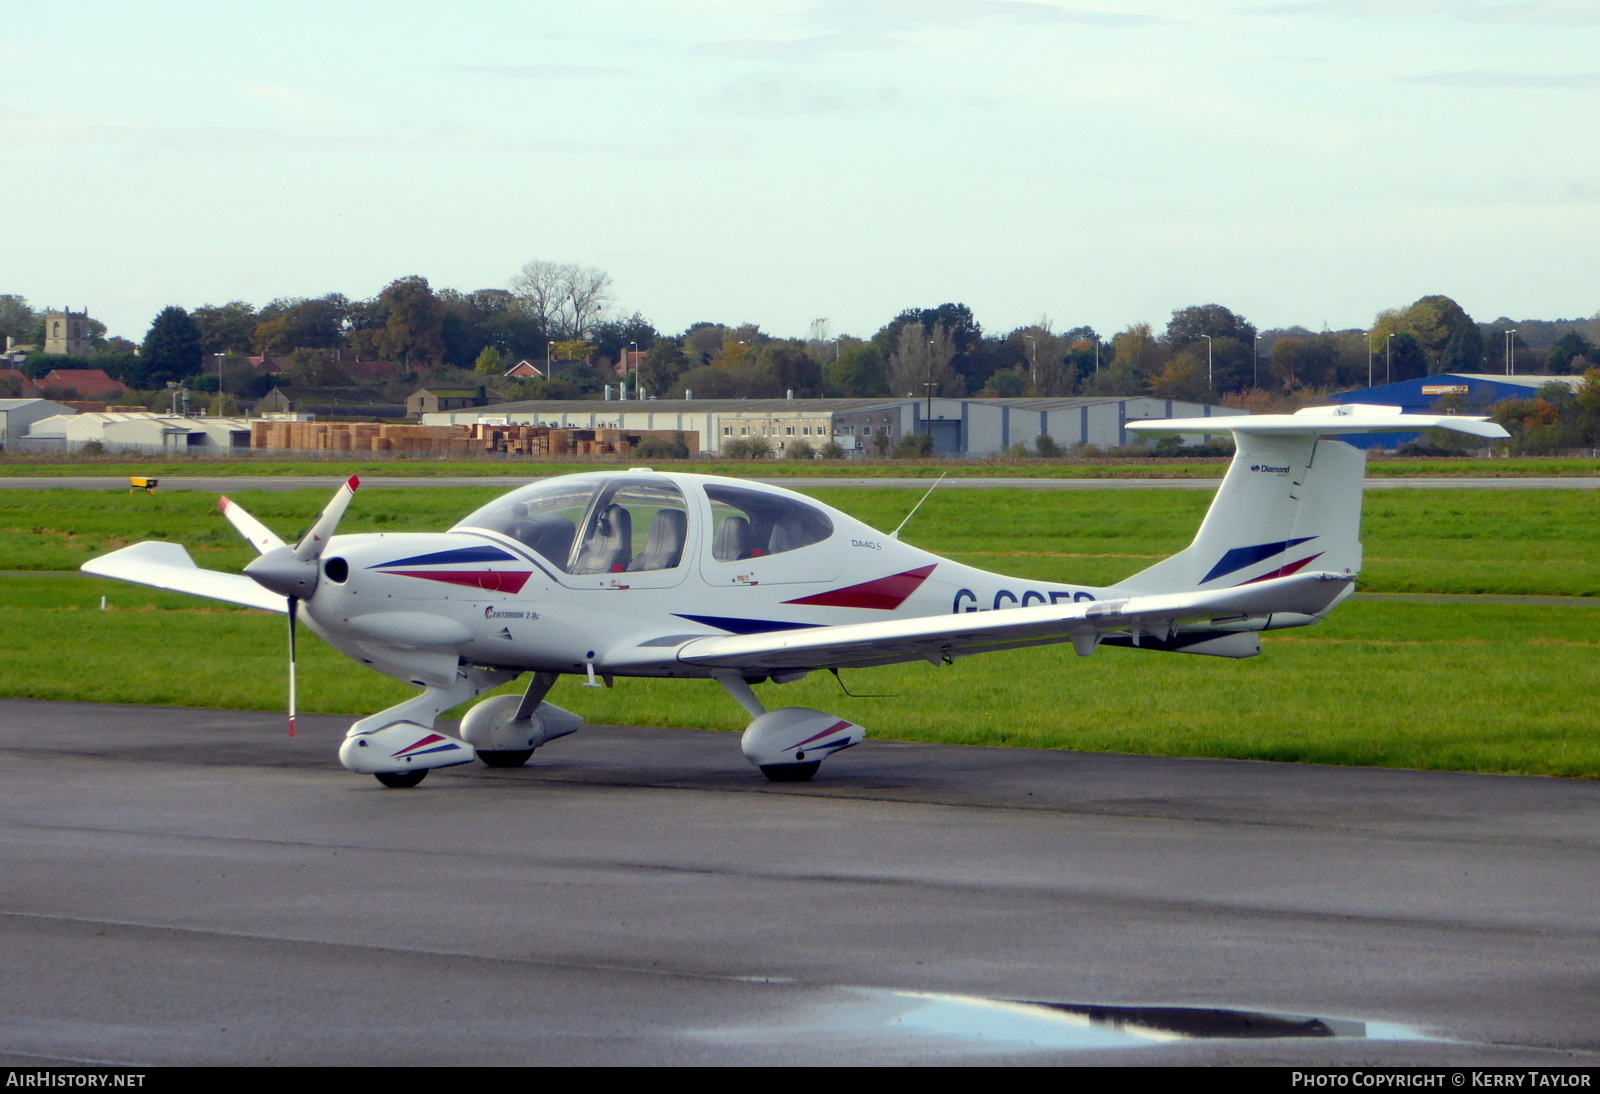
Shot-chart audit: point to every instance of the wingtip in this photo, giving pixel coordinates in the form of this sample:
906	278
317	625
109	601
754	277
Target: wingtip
223	503
354	483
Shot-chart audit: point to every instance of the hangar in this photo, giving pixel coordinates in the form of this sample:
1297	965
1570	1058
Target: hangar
959	427
1458	392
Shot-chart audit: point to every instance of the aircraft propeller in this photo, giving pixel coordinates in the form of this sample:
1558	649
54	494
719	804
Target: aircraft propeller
291	572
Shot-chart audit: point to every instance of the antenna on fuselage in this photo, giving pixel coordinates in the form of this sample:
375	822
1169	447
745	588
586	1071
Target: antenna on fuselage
896	533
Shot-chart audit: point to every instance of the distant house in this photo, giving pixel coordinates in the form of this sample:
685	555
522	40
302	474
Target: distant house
433	402
267	364
524	370
91	382
274	402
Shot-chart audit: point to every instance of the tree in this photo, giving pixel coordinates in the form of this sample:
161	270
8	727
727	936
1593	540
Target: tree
800	450
664	362
793	369
920	358
567	299
414	327
226	328
1192	324
314	368
171	349
1568	348
490	362
859	372
1305	362
1432	323
17	319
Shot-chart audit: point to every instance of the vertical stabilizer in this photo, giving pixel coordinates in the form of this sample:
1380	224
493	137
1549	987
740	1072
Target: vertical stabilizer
1287	503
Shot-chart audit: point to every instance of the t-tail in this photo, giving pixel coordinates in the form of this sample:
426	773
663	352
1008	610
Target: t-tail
1291	500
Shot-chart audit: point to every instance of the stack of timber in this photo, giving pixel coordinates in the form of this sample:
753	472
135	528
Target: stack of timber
456	440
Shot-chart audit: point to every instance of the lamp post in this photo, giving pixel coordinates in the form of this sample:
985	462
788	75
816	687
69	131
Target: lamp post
928	384
1033	367
1209	383
219	384
1097	355
1255	358
1511	353
635	353
549	360
1388	368
1369	358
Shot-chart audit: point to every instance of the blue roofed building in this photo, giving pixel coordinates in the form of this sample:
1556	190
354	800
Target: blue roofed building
1474	393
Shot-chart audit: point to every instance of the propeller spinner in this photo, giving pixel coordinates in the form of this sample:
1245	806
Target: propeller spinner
291	572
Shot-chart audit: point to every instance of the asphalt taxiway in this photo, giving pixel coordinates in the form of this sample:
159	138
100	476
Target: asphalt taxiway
181	886
236	483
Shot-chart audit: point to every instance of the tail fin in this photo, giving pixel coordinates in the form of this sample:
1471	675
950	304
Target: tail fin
1291	500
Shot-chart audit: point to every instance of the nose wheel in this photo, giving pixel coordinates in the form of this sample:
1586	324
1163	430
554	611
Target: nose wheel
790	773
401	780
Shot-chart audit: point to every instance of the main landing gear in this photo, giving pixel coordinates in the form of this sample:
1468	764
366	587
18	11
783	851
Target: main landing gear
399	746
789	744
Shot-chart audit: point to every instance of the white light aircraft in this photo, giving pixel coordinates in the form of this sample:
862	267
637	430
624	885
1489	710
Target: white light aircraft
638	573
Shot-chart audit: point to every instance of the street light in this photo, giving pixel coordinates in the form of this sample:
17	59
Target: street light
1369	358
1388	368
1511	353
1033	368
549	360
1097	355
1209	382
1255	359
635	346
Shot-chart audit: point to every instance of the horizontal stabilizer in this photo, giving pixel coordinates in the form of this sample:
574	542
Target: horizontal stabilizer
168	566
1322	421
936	637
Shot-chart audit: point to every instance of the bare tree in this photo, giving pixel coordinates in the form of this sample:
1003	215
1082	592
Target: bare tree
817	343
567	299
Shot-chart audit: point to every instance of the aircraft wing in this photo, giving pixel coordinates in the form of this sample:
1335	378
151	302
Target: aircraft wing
168	566
936	638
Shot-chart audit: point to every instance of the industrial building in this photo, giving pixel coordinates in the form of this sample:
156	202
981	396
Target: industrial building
136	431
1459	392
17	416
959	427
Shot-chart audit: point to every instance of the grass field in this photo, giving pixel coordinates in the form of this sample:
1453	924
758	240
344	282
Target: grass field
1530	542
1099	468
1466	685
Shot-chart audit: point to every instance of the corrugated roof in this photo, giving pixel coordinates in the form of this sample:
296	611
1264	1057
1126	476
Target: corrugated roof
811	406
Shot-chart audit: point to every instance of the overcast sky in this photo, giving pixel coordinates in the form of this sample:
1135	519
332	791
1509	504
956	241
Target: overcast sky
1300	162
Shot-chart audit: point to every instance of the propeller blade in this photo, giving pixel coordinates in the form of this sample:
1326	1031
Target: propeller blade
294	611
310	548
262	538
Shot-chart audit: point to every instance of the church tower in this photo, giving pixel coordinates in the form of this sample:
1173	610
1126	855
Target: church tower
67	332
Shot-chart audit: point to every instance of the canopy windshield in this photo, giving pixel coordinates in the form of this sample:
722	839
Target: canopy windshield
593	525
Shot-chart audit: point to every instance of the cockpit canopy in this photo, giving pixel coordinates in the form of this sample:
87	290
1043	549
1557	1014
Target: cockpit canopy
598	524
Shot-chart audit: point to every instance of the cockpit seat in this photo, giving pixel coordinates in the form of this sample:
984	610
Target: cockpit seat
663	549
733	540
610	544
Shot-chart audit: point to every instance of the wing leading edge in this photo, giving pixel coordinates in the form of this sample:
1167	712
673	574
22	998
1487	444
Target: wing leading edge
936	638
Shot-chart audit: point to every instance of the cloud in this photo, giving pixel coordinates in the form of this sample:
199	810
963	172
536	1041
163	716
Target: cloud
289	100
794	49
1540	12
543	72
764	96
1519	81
856	26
